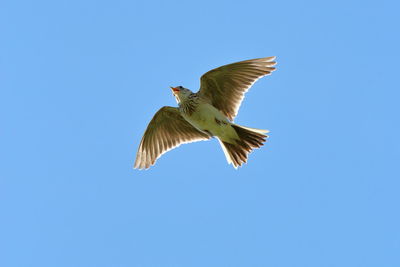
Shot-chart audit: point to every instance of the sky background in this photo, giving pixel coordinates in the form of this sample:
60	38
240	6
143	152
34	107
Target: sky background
80	80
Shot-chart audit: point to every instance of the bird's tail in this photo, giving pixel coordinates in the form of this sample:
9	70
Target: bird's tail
236	152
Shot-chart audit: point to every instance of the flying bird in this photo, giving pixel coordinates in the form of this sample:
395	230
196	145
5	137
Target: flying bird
208	113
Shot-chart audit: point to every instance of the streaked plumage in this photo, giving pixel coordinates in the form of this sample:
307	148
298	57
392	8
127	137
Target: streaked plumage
208	113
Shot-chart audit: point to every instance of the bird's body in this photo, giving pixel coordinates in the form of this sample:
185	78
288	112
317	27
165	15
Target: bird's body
208	113
208	119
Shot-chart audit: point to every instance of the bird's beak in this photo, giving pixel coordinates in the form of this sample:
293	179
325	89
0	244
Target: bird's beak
175	89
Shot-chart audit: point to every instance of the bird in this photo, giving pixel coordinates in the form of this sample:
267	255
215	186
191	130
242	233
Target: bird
209	113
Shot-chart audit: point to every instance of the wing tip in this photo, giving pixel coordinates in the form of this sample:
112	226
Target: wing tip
271	62
269	59
140	167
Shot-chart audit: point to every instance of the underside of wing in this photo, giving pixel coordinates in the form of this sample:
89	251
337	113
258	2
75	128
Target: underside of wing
167	130
225	86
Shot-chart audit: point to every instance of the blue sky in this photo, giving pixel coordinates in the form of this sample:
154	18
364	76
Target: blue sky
80	80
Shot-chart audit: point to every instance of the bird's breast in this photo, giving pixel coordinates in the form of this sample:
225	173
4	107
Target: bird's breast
209	119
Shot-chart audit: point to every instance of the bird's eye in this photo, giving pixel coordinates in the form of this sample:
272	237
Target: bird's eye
180	87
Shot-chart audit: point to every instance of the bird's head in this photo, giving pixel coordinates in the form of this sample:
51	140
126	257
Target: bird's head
181	93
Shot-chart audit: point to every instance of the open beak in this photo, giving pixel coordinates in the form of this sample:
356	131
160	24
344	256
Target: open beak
175	89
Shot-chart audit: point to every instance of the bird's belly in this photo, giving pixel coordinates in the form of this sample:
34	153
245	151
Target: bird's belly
209	119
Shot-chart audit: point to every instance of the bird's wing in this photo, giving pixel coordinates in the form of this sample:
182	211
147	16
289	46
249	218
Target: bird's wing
167	130
225	86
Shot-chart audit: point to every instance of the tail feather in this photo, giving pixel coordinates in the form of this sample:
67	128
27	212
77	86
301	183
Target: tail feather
236	152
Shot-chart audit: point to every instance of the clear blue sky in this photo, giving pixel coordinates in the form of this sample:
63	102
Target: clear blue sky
80	80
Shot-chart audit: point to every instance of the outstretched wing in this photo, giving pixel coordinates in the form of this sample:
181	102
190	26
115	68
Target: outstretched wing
167	130
225	86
